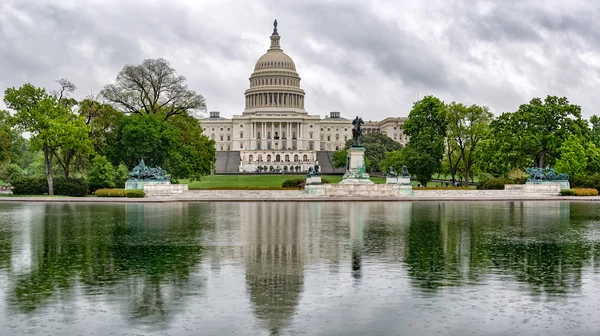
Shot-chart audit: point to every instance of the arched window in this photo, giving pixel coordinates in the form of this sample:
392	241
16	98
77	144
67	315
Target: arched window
305	157
277	158
259	158
250	158
221	137
296	158
287	158
329	138
337	137
269	158
310	135
337	147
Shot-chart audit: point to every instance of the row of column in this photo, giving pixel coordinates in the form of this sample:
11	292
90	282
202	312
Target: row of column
274	99
288	130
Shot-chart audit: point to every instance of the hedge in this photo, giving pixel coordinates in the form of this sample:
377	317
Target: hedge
39	186
135	193
115	192
298	183
579	192
110	193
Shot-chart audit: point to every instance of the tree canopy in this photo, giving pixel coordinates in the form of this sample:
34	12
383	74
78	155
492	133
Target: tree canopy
153	87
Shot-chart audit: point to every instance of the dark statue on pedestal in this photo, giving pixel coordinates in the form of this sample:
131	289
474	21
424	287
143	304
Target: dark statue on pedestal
313	171
356	131
142	172
275	27
404	172
391	172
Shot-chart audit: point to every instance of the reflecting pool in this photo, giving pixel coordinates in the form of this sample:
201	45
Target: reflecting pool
423	268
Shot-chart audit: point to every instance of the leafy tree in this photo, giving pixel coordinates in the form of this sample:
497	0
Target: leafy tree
394	159
467	127
573	160
423	156
6	138
536	131
426	127
102	175
340	158
102	120
49	121
153	87
195	153
13	172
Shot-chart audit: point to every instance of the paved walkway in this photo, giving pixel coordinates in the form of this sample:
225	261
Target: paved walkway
299	196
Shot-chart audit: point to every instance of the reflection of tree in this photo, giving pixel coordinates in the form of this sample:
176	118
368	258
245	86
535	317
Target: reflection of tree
458	243
147	257
274	257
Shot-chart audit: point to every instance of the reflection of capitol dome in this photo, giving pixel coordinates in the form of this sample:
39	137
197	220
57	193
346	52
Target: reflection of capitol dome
275	81
274	258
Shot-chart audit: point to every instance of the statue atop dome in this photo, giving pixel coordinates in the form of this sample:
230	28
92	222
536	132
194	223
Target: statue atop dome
275	27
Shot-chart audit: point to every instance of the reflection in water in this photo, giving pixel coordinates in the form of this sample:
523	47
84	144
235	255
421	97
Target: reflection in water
165	267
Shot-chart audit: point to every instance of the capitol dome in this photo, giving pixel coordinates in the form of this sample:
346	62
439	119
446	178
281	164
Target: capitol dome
274	83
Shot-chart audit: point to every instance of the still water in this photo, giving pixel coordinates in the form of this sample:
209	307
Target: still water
424	268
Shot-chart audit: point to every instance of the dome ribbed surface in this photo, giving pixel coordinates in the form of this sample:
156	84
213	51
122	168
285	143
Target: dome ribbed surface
275	59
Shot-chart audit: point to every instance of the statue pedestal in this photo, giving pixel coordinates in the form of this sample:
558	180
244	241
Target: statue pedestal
405	186
133	184
391	180
356	172
312	180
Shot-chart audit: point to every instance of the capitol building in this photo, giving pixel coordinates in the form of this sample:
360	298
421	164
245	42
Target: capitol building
275	131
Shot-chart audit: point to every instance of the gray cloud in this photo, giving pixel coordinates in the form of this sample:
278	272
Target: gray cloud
371	58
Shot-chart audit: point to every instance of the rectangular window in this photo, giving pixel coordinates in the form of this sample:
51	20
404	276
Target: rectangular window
241	135
241	145
229	138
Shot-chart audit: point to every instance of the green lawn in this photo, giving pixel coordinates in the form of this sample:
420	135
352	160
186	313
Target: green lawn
258	180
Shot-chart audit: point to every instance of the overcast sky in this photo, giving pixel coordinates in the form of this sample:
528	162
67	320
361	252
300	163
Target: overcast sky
368	58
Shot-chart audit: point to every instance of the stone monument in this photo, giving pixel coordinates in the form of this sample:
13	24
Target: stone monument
404	185
142	175
314	185
356	170
545	180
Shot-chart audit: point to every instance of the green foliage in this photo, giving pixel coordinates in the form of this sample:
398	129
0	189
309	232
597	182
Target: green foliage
102	120
70	186
294	183
177	145
52	126
567	192
13	172
340	158
122	175
423	156
579	192
135	193
426	126
6	138
535	132
29	185
102	175
467	127
589	181
573	159
110	193
394	159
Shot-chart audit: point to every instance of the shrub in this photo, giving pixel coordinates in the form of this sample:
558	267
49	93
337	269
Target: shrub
293	183
102	175
110	192
13	172
121	176
590	181
135	193
77	187
39	186
28	185
567	192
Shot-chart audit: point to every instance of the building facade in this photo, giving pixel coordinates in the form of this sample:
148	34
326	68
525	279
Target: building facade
274	130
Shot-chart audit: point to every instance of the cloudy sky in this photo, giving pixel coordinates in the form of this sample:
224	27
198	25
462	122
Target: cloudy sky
360	57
